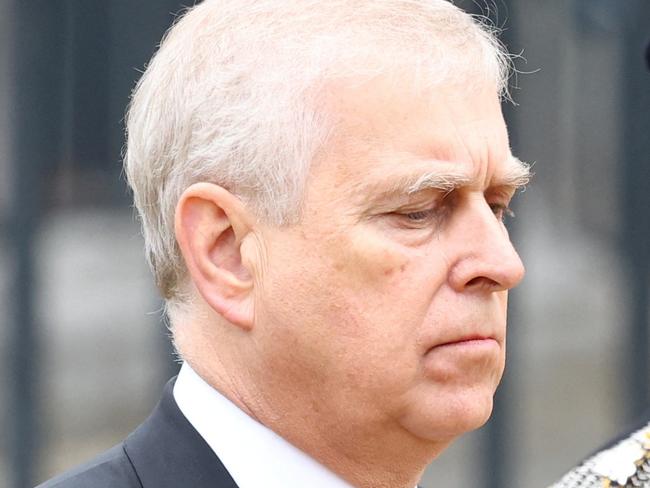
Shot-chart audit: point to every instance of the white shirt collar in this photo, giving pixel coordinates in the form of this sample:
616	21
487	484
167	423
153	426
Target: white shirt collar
253	454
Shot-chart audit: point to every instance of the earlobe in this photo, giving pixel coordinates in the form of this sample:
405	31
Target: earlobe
210	225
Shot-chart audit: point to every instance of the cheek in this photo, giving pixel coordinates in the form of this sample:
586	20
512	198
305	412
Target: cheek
354	293
391	271
375	260
380	292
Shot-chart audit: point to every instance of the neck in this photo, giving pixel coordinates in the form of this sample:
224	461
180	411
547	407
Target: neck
366	456
367	451
381	459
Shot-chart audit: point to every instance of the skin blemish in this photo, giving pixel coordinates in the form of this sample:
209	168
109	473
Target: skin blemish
375	259
393	269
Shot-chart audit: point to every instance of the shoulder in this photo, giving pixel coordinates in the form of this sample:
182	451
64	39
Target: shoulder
165	451
112	469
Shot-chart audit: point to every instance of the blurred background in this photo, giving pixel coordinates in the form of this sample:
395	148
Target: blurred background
83	346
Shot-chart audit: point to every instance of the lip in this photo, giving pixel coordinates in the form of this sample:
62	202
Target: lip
468	341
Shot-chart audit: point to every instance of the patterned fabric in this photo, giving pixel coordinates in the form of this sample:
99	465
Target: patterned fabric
626	464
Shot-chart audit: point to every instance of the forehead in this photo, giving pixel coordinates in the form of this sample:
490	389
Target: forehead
389	126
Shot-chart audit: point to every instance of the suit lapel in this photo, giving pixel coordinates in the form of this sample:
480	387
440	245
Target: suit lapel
167	452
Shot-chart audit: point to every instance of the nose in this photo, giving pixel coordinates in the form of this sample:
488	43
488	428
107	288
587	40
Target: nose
485	256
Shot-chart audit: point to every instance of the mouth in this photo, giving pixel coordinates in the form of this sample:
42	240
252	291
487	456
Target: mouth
471	341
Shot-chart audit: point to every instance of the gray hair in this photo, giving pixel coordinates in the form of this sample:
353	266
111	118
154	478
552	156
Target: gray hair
233	96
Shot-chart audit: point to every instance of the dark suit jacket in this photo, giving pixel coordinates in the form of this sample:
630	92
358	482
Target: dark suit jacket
164	452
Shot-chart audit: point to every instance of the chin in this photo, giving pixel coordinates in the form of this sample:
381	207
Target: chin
448	416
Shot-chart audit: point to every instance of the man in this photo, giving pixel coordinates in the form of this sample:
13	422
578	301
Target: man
322	188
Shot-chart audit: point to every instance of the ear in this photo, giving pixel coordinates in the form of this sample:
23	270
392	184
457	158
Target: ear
210	225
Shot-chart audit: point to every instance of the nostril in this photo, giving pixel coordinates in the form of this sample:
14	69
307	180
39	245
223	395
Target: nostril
481	281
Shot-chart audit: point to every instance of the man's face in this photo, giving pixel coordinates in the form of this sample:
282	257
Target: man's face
385	307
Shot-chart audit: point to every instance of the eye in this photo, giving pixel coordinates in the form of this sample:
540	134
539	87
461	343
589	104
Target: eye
418	219
501	211
420	216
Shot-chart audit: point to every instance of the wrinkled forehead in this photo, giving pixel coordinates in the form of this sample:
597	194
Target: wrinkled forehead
391	129
434	119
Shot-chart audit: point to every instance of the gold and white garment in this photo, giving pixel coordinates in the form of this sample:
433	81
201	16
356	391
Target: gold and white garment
626	464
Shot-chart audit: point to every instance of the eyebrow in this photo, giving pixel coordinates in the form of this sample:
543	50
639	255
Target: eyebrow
434	180
516	176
